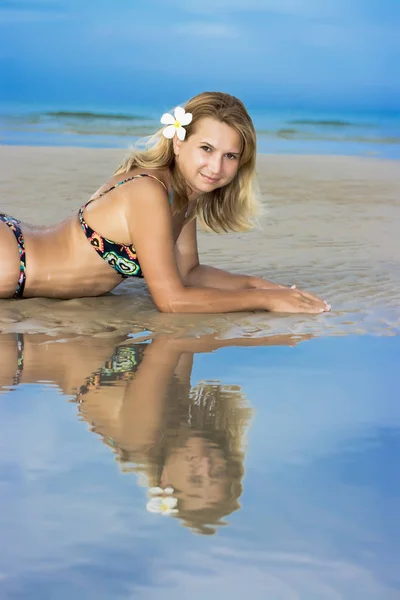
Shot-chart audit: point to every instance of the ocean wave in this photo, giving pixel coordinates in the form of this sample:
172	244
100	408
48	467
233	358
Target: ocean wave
296	134
139	131
66	114
327	123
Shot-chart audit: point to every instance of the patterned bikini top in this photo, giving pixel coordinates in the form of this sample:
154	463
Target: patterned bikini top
120	257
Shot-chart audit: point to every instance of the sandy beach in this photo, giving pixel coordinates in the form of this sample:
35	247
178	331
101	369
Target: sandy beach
298	439
331	226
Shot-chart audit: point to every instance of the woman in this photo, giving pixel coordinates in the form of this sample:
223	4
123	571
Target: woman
202	165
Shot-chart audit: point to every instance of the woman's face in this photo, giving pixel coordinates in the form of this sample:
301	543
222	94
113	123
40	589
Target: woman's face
198	474
209	158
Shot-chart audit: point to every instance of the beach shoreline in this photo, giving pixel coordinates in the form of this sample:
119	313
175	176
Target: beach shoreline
330	227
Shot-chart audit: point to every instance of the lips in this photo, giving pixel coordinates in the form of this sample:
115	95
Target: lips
209	179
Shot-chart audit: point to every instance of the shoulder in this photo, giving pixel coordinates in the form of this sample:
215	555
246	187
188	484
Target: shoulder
140	180
145	198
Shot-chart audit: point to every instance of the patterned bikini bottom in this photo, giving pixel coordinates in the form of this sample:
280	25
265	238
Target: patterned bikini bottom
15	227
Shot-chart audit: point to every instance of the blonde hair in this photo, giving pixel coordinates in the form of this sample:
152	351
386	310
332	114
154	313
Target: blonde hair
216	412
232	207
219	414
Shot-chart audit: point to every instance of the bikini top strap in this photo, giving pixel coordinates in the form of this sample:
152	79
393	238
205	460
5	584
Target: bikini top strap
125	181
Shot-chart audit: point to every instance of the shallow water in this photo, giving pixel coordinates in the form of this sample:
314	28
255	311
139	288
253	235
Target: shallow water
285	452
331	227
288	132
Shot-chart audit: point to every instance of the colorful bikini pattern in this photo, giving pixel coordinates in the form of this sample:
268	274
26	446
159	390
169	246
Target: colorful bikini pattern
14	225
120	257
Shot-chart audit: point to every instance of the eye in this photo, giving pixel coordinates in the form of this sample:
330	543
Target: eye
196	480
218	472
206	148
232	156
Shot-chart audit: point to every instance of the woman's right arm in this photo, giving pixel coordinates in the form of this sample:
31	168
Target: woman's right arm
151	230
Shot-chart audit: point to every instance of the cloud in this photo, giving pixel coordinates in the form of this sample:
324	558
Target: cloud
237	573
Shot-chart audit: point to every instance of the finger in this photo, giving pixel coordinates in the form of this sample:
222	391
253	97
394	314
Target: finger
313	309
319	306
307	299
314	298
310	296
314	306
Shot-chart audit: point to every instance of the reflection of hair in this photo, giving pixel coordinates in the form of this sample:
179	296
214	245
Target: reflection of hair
215	412
218	412
225	209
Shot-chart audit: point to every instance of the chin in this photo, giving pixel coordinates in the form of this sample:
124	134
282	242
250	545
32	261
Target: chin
210	185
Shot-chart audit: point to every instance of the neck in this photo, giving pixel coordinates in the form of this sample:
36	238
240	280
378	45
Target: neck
190	193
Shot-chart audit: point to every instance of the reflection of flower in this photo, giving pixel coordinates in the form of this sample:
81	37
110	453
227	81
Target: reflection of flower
176	123
162	501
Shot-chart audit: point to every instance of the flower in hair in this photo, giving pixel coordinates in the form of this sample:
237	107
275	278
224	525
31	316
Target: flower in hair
175	124
162	501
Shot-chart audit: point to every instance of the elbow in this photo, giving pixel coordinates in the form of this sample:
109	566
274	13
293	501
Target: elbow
164	307
169	304
168	308
189	278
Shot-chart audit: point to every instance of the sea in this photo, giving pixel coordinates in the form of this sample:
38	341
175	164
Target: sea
278	131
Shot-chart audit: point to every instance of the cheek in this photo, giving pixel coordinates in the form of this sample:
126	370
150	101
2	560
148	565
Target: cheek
232	168
199	158
191	161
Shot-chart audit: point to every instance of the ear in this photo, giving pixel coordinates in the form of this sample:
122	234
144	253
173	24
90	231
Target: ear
177	145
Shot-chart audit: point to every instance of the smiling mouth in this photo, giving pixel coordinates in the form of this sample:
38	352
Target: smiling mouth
210	179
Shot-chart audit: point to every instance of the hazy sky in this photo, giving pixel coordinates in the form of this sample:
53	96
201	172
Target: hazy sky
295	53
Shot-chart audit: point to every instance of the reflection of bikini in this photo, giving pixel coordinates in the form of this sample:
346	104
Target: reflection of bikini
120	257
19	337
121	366
14	225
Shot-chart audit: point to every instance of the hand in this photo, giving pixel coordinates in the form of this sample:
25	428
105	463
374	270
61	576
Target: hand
264	284
292	300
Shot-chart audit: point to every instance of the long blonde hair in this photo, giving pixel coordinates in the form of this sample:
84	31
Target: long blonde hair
216	412
231	208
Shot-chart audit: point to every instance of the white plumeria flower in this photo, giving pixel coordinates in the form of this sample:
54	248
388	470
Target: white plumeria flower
162	501
176	124
164	505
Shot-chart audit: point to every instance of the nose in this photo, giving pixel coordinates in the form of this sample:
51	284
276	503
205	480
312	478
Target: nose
214	164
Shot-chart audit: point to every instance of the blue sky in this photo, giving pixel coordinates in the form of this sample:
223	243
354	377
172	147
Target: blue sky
277	53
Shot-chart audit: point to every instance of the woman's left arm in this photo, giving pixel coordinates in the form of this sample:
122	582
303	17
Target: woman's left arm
197	275
205	276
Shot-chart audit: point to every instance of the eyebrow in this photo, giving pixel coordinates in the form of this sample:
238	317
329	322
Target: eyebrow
213	147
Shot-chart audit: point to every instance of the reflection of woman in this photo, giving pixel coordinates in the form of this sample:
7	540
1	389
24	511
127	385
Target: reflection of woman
187	442
138	398
198	453
38	357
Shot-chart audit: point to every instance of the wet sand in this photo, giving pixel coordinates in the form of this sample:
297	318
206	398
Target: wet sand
308	431
331	227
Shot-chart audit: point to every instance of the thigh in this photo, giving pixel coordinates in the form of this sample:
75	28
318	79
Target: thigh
9	262
8	359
